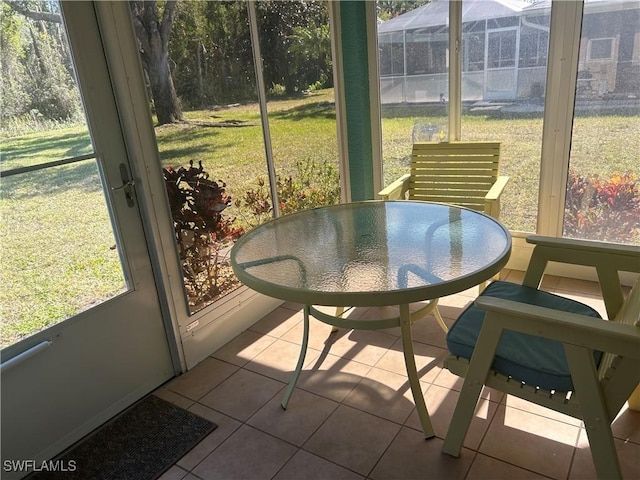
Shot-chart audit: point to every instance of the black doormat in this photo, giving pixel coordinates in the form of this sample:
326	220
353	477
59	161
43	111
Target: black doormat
139	444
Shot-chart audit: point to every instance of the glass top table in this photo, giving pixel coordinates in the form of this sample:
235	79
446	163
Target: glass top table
374	253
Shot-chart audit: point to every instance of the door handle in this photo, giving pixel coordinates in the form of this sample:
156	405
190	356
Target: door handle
21	357
128	185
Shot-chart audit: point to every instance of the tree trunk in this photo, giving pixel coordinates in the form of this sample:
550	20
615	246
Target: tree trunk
165	99
153	35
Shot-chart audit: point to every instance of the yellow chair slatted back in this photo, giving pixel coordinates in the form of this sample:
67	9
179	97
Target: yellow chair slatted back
460	173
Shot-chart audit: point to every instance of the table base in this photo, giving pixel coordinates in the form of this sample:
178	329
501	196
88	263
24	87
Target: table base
404	321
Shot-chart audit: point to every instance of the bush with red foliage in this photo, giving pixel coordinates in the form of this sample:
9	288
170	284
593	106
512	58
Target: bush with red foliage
607	210
202	232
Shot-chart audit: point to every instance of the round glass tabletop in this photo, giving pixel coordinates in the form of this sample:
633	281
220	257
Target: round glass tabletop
371	253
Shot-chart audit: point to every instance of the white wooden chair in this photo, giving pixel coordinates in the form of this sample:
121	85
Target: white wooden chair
554	351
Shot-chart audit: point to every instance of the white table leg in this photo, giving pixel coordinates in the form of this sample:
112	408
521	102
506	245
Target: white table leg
412	374
303	353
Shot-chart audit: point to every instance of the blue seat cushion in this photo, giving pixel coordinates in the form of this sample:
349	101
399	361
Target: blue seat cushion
534	360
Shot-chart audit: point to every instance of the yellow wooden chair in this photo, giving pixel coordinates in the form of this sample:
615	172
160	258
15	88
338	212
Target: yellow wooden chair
458	173
551	350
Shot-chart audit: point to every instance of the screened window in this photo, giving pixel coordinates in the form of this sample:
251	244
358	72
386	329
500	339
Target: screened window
391	48
600	49
502	49
534	42
473	52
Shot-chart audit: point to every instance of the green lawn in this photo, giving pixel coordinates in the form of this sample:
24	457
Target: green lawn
56	232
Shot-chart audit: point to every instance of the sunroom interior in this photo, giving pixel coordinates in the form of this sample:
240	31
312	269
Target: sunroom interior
229	360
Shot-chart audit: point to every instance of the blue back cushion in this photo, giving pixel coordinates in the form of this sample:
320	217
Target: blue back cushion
534	360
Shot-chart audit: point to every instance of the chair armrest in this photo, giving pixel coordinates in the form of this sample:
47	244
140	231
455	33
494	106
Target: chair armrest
397	189
590	246
496	189
608	259
565	327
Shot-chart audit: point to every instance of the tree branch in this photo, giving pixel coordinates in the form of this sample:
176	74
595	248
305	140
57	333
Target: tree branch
167	20
45	16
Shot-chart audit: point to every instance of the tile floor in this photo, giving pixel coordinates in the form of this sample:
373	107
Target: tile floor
352	414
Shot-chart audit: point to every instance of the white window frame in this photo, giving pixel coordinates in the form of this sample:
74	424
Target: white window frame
612	44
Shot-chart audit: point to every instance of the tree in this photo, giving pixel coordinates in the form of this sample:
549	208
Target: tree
153	31
14	97
36	66
388	9
283	24
211	54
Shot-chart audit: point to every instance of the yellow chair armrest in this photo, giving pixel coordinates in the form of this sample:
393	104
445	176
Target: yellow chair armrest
496	189
397	189
608	260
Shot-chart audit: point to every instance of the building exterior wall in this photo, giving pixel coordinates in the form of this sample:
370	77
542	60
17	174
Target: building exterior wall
609	64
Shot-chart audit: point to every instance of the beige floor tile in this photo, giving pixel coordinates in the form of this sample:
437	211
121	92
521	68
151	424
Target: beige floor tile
332	377
390	313
384	394
191	476
513	276
484	467
447	379
411	457
352	439
549	283
626	426
225	427
201	379
575	285
279	360
441	403
173	397
304	414
311	467
427	357
428	331
243	348
519	403
174	473
364	346
374	313
530	441
278	322
583	467
450	313
292	306
320	334
254	389
247	454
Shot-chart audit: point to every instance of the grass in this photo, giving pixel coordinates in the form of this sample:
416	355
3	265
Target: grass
57	248
303	129
57	256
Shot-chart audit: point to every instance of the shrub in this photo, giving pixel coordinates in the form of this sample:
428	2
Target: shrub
277	90
603	209
202	233
313	185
